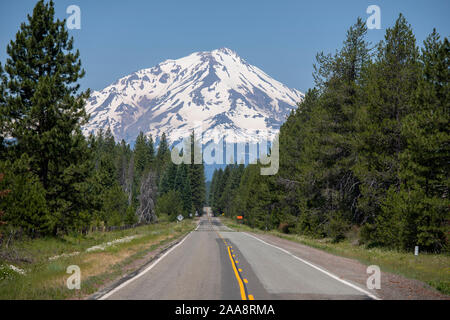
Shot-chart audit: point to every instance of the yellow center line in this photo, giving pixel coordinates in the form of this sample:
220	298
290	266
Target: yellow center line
236	272
241	285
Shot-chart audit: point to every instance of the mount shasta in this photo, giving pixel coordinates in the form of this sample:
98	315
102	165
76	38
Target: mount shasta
216	89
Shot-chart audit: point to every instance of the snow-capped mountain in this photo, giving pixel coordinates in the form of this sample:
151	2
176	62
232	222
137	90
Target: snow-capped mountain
217	91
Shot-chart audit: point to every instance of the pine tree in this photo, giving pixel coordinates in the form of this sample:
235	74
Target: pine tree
426	130
24	205
220	198
295	178
142	156
115	205
332	123
389	84
151	150
168	179
421	207
141	162
212	187
197	177
123	160
108	198
256	199
163	154
182	184
44	110
216	192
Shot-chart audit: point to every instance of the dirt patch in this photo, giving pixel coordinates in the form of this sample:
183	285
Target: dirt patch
393	287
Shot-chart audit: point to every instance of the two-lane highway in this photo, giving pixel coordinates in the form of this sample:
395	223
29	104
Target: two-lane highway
215	262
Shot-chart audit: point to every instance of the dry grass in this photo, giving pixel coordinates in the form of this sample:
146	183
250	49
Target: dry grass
45	279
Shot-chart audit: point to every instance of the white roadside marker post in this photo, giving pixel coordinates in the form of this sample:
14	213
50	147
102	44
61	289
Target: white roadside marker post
416	250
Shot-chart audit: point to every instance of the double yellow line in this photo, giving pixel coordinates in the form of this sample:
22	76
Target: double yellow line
236	272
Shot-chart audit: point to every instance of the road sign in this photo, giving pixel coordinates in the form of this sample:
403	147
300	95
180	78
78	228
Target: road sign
180	217
239	217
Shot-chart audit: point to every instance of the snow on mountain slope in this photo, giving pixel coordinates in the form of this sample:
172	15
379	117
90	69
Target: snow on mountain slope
217	91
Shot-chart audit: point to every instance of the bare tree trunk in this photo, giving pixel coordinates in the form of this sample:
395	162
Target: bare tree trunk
147	199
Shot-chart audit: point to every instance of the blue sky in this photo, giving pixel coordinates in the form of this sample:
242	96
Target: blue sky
280	37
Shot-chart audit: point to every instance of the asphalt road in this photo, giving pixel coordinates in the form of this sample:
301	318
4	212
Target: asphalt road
214	262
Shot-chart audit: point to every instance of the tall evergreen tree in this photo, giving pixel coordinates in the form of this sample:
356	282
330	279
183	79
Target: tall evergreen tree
142	156
168	179
151	149
216	192
389	86
123	159
334	119
211	188
419	212
163	153
197	176
182	184
44	110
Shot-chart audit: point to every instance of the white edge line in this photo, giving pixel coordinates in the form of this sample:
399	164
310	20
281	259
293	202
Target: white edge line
105	296
318	268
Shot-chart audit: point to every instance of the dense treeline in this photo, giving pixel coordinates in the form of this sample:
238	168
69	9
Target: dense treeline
183	187
52	178
368	148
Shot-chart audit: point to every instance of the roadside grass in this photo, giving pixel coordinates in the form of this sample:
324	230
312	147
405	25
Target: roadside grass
46	279
433	269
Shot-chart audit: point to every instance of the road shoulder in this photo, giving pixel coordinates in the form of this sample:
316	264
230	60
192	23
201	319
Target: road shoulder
393	287
135	268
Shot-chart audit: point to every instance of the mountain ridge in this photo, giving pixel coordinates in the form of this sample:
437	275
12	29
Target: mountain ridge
215	91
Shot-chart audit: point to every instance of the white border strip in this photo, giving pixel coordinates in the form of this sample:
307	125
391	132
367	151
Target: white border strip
105	296
320	269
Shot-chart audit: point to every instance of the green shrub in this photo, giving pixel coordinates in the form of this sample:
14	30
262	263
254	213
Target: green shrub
170	204
25	205
337	227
